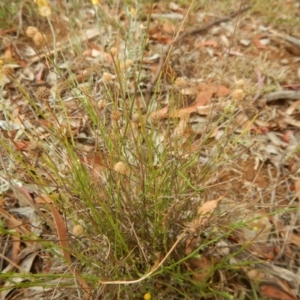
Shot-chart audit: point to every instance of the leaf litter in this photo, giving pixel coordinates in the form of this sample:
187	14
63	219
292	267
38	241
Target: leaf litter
244	133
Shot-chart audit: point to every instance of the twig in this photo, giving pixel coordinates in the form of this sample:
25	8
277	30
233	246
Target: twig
180	37
288	38
293	95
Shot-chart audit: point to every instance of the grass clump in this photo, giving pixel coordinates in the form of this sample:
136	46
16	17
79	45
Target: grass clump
129	198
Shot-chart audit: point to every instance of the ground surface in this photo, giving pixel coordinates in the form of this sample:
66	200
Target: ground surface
160	152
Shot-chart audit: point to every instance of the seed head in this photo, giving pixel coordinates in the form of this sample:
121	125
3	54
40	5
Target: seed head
78	230
40	39
45	11
121	168
107	77
31	31
128	63
44	8
115	115
238	94
42	93
113	51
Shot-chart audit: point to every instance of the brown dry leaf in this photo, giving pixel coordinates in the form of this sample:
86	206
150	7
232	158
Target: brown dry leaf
292	107
160	114
271	283
211	43
294	239
220	90
287	232
204	94
209	206
201	268
16	243
14	223
60	227
94	164
297	189
256	41
168	27
203	98
157	34
291	121
63	240
274	292
203	214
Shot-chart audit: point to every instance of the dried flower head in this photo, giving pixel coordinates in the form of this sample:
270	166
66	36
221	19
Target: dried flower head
238	94
42	93
115	115
40	39
121	168
107	77
31	31
44	8
95	2
128	63
180	82
45	11
113	51
78	230
7	71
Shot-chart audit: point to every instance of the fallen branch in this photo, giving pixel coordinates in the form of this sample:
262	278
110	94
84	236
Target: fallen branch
293	95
